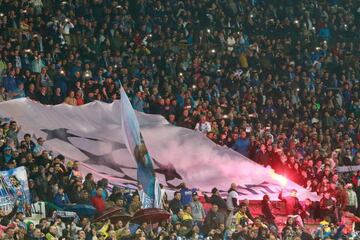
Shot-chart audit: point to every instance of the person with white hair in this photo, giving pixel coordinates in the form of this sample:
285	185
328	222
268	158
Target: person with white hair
353	202
231	203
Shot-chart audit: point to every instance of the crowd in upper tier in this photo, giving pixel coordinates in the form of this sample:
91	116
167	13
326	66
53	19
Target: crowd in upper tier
276	80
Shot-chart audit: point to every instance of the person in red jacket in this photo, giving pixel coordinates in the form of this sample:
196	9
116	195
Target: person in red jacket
98	202
292	203
355	179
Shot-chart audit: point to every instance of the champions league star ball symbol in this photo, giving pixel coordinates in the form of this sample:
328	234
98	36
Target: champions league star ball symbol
126	172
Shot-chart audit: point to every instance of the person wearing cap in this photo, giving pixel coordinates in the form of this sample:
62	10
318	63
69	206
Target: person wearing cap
324	230
198	211
6	156
216	199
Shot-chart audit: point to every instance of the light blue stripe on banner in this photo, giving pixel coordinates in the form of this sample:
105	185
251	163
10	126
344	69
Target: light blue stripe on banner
137	148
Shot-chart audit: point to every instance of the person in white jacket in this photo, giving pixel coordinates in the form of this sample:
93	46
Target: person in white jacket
65	30
230	41
203	125
353	202
37	5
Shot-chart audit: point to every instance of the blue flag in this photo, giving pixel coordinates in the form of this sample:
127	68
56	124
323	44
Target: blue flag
134	141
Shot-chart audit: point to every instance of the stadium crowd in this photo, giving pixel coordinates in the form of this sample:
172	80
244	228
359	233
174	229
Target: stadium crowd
277	81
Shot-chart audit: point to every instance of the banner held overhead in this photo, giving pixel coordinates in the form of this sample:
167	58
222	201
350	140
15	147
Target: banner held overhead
93	135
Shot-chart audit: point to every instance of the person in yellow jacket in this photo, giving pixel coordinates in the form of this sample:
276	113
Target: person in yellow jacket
51	235
104	229
243	60
187	215
241	217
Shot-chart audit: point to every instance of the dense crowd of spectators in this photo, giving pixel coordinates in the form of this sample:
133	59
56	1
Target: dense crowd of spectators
278	81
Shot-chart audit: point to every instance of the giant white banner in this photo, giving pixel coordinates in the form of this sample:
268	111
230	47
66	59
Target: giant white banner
92	134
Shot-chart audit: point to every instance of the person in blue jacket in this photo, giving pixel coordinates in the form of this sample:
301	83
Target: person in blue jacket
186	194
242	144
61	199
